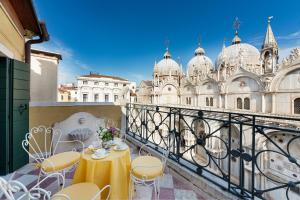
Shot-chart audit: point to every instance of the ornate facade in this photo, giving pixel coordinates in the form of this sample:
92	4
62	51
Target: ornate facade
242	78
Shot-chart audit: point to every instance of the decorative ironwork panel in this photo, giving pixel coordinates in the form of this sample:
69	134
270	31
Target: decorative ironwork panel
251	156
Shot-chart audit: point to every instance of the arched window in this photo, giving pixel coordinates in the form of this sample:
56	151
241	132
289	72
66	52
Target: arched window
297	106
211	101
207	101
239	103
247	103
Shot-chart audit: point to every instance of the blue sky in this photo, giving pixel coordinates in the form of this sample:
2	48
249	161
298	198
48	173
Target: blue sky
125	37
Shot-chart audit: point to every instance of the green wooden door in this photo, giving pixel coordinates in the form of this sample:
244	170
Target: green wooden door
20	113
14	113
4	116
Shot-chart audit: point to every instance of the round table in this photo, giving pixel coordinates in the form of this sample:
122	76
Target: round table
114	170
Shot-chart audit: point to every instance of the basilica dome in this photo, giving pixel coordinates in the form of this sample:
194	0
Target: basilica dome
167	65
238	54
199	64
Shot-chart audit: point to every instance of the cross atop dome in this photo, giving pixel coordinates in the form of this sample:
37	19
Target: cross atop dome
236	27
199	50
167	53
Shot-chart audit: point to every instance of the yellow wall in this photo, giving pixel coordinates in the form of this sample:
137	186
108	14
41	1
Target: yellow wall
10	37
48	115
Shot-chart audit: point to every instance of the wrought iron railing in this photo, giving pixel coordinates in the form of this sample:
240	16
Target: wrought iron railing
252	156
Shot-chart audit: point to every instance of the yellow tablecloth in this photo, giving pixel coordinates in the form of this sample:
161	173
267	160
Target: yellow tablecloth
113	170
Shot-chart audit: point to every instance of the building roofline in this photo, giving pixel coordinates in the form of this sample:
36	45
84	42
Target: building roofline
27	15
47	53
91	75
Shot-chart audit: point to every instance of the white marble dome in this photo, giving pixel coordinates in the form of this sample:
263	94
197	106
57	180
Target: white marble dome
199	64
168	66
239	53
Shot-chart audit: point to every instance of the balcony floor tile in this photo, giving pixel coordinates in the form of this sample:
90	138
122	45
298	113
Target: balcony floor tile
172	185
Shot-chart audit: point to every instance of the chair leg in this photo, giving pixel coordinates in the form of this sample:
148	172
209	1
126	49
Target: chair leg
155	190
39	177
64	175
158	187
58	182
131	188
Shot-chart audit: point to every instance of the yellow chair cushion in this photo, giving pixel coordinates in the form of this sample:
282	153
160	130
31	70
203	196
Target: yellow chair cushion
147	167
60	161
80	191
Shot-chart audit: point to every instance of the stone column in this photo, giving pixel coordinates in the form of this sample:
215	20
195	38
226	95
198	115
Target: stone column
263	103
273	103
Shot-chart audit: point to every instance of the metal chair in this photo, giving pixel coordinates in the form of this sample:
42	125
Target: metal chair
146	170
42	151
15	190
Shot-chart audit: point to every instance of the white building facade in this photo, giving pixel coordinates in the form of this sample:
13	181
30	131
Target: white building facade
102	88
43	76
242	78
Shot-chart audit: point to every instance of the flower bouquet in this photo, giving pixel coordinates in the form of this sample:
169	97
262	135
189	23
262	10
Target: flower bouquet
107	134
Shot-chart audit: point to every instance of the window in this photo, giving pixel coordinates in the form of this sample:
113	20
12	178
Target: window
96	83
124	85
106	84
84	97
69	97
239	103
115	98
62	97
247	103
96	97
116	84
297	106
106	97
188	100
211	101
207	101
84	82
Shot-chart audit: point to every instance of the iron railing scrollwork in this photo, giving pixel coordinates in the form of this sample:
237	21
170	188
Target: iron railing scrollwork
252	156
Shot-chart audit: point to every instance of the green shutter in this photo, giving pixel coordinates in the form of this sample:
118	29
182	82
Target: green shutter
14	113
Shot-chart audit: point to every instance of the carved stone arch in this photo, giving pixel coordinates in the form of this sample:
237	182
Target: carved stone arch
277	162
274	86
248	75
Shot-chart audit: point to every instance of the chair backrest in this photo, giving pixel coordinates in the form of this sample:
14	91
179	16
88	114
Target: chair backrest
96	197
15	190
165	151
38	142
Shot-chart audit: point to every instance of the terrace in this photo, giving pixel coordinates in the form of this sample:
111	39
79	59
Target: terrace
215	154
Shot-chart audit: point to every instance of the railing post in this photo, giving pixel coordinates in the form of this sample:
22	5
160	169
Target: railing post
179	134
126	119
241	159
229	153
253	157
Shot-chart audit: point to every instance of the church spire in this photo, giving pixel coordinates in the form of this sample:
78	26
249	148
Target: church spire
270	40
269	51
224	44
